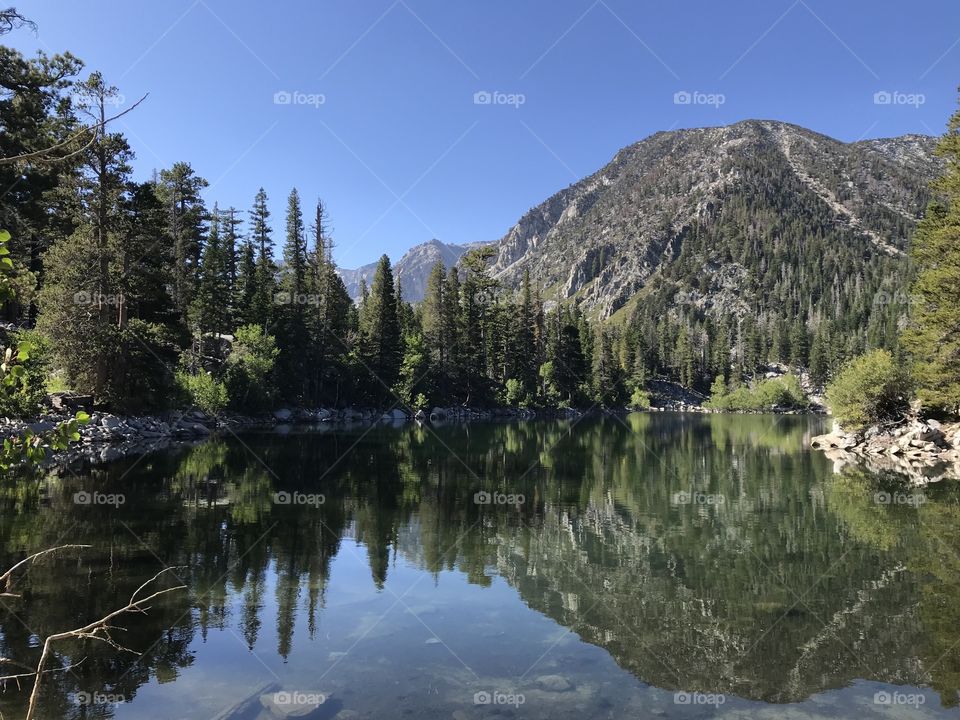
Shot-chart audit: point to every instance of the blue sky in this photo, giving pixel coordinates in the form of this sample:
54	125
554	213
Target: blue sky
382	121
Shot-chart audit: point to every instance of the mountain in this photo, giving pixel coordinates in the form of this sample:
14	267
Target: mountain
412	269
696	205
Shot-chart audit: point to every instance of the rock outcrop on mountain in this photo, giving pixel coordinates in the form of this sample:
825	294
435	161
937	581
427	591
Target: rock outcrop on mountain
601	240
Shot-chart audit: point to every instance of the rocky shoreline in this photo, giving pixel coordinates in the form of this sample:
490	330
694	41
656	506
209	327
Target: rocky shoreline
924	451
108	437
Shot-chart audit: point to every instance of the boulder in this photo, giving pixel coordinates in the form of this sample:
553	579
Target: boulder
283	415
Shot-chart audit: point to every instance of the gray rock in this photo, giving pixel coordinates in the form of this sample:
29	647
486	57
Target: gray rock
554	683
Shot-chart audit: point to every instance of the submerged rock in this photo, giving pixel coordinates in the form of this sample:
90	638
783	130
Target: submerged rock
554	683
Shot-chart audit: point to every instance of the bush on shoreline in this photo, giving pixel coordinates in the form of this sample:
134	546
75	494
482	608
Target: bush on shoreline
778	392
871	389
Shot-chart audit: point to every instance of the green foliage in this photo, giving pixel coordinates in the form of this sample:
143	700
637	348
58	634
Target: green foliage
640	399
870	389
514	393
249	377
27	387
774	393
933	338
380	350
20	383
204	392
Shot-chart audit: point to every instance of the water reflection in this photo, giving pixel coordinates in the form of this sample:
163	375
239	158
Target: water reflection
709	554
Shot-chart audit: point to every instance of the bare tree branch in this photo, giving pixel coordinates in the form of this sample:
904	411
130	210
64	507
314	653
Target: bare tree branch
7	577
11	20
41	155
97	630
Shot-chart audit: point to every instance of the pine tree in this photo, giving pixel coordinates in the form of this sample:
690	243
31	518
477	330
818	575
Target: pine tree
933	340
265	285
245	289
82	312
434	323
381	349
291	306
179	191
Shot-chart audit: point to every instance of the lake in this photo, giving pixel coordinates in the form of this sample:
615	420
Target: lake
657	565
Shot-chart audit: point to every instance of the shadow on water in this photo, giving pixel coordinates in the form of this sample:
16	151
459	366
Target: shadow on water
593	566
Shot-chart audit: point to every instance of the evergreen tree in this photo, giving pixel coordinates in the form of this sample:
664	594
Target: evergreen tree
179	191
933	340
265	285
381	349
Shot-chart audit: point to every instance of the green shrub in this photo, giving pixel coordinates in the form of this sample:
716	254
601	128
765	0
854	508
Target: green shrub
26	397
780	392
869	389
640	399
249	378
204	392
142	380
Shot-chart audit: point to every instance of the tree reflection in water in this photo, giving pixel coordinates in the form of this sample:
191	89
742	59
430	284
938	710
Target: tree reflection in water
710	553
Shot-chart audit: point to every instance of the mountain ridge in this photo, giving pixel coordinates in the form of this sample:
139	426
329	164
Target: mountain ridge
599	240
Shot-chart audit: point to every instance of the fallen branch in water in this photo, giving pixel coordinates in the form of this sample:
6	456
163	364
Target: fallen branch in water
96	630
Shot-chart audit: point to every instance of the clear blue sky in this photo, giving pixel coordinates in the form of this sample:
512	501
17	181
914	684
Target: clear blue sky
399	150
